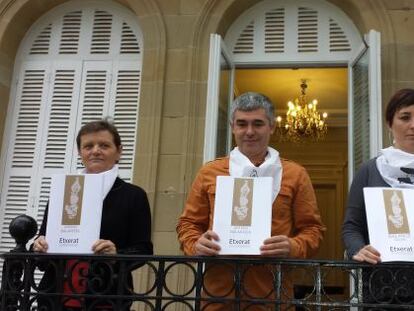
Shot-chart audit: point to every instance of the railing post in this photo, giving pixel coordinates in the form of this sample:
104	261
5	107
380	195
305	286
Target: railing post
237	288
199	284
318	286
278	287
360	286
160	285
22	229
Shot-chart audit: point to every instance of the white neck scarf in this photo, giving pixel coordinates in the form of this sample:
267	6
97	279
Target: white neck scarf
394	166
240	166
109	177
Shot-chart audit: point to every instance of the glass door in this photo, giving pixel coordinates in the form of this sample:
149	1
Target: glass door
364	103
217	139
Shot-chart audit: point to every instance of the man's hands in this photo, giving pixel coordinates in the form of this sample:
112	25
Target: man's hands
205	245
368	254
276	246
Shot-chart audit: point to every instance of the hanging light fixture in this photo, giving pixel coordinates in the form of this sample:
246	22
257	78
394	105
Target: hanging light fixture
303	121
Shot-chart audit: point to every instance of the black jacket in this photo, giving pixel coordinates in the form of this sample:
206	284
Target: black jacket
126	221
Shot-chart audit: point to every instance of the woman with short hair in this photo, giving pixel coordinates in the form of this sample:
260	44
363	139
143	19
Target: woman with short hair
125	223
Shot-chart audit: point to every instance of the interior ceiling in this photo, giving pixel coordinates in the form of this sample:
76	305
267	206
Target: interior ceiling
328	85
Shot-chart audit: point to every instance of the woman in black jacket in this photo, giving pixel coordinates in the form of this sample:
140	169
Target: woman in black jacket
125	225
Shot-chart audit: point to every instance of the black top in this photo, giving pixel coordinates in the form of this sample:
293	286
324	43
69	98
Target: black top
126	219
355	228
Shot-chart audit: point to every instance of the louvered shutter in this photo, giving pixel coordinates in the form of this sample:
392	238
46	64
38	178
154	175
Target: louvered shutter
365	122
94	97
18	187
361	119
275	31
47	97
307	30
80	63
112	89
292	31
70	33
125	92
59	129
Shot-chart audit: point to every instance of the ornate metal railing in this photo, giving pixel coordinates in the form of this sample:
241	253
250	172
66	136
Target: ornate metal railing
33	281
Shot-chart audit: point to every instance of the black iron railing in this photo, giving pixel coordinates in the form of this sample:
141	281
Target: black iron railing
33	281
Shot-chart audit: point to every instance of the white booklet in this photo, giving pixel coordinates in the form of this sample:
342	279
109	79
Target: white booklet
242	214
390	218
75	212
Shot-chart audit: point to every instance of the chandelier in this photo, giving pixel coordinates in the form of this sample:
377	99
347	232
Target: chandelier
303	121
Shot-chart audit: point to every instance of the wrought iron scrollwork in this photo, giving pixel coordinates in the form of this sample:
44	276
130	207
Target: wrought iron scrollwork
45	282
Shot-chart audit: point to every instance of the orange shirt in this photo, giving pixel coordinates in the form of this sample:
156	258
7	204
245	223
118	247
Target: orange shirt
294	214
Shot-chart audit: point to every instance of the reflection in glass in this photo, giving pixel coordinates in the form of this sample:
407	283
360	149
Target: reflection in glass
222	142
360	116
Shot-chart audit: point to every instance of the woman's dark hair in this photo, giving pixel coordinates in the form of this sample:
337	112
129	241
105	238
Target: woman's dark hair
402	98
97	126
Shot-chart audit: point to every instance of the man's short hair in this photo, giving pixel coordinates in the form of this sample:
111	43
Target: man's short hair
97	126
250	101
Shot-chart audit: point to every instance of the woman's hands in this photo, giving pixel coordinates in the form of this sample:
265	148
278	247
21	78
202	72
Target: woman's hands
106	247
40	245
368	254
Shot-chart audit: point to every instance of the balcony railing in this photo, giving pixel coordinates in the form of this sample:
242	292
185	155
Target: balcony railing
178	283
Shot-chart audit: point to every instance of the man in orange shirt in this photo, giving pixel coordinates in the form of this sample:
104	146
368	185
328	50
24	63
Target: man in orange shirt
296	229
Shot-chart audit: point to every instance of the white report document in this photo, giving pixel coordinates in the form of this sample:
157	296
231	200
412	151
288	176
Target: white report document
390	218
75	213
242	213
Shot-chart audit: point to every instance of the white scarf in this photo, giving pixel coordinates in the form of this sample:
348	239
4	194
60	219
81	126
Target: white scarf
109	177
240	166
389	164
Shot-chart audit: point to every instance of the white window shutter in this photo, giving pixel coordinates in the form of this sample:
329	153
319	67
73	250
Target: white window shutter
71	28
101	33
361	118
94	97
62	111
57	145
124	108
292	31
41	43
338	41
275	31
31	95
307	30
18	187
245	42
129	41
